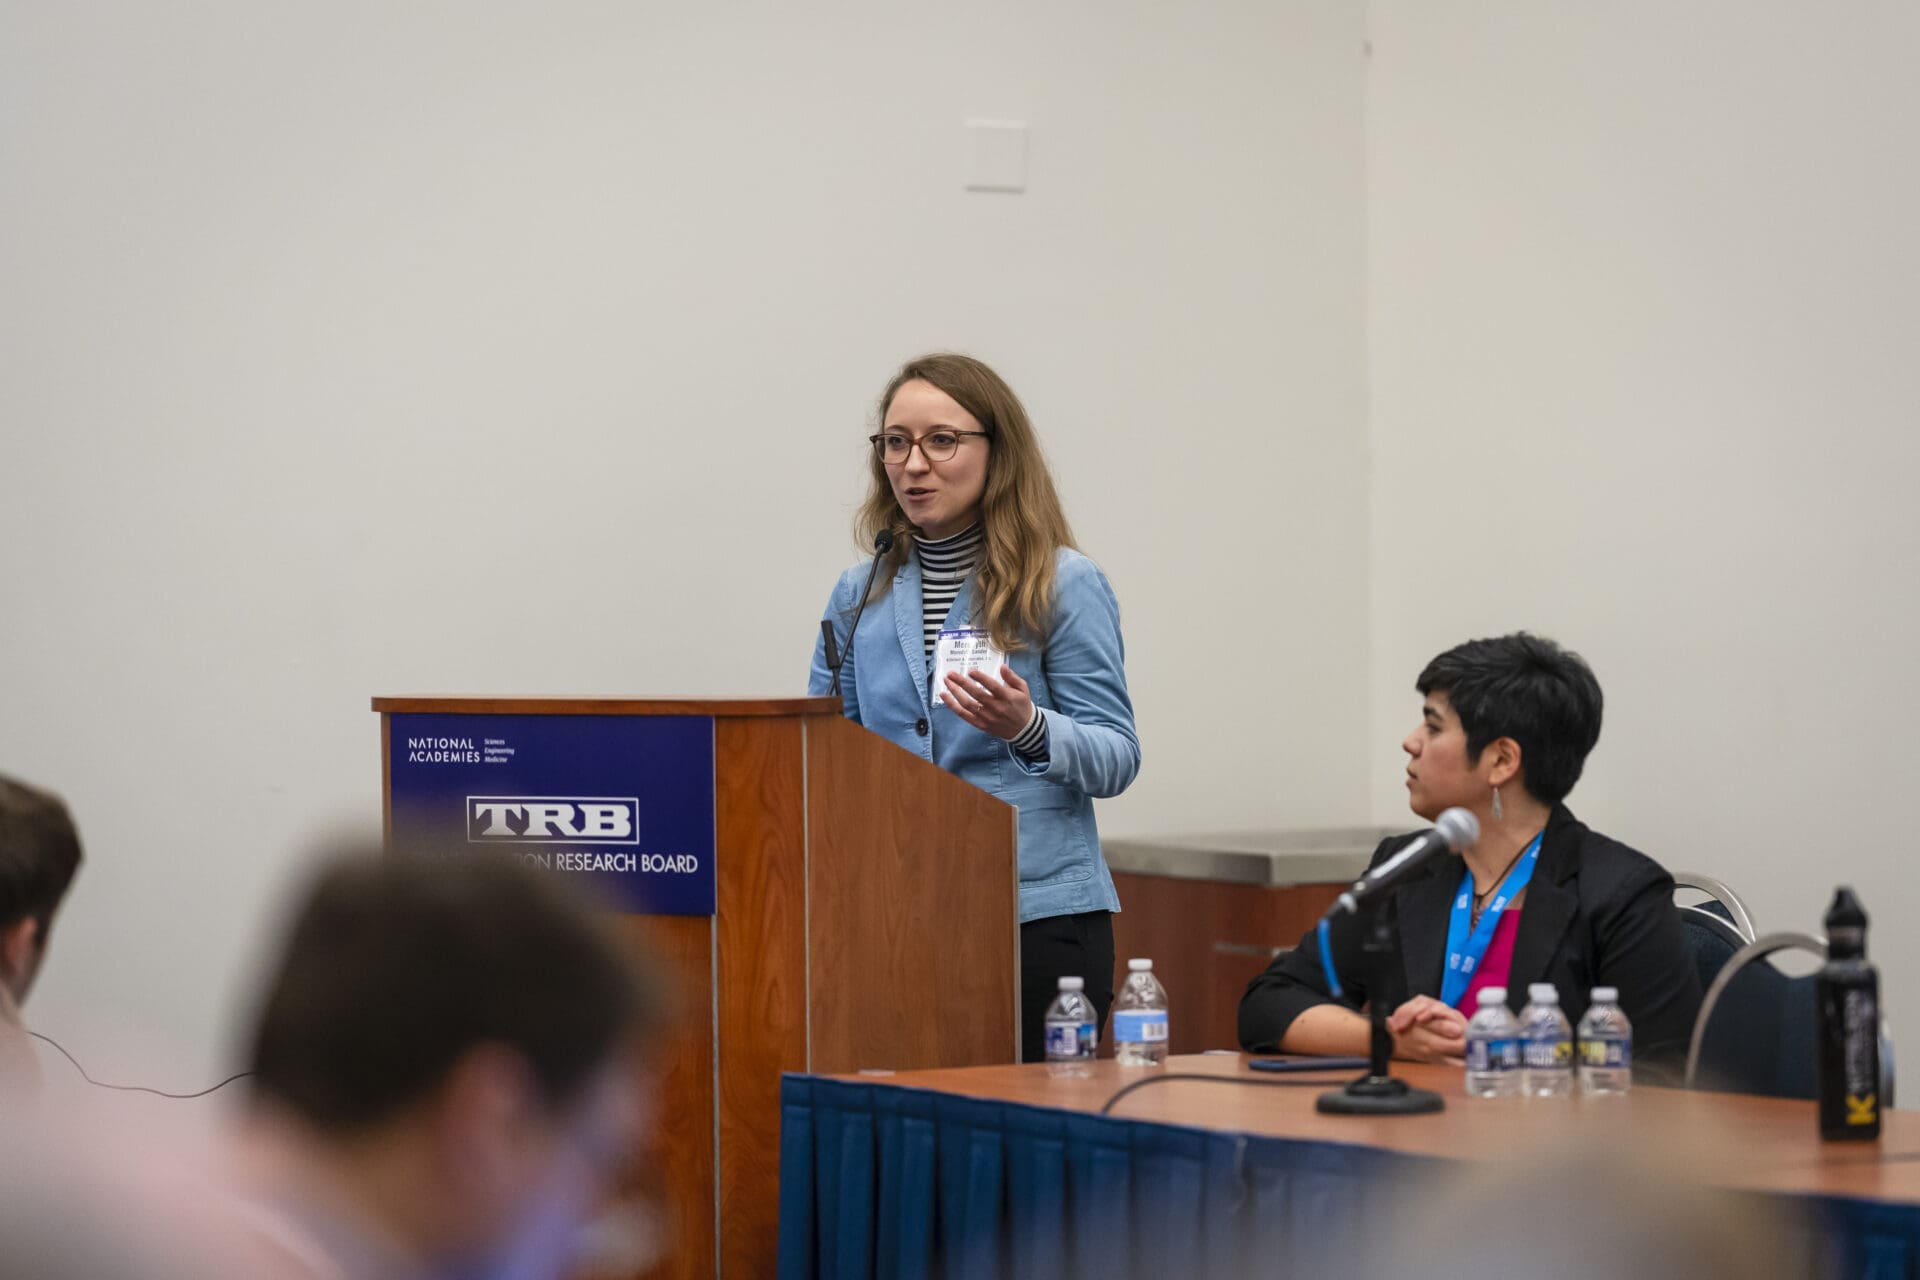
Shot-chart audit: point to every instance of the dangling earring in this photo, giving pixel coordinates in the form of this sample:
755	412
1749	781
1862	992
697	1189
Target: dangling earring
1496	804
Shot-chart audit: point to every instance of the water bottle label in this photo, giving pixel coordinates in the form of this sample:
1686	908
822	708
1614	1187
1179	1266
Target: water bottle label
1071	1040
1606	1053
1493	1055
1860	1052
1140	1026
1547	1055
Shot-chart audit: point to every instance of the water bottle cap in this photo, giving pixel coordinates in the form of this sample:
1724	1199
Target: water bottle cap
1073	984
1846	910
1846	927
1492	995
1140	966
1606	995
1543	993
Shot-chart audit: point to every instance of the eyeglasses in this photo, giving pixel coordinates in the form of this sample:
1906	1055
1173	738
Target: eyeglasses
894	447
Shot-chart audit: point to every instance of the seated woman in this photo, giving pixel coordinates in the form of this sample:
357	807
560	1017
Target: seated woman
1504	732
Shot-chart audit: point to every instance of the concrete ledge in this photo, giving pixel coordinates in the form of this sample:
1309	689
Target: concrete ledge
1274	858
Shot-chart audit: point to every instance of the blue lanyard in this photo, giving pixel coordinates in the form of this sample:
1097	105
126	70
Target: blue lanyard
1464	952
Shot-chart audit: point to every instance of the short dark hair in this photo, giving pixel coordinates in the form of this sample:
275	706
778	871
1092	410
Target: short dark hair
39	853
1527	688
397	965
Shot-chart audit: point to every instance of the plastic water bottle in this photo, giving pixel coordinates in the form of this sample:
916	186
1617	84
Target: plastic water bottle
1546	1045
1072	1036
1140	1018
1493	1048
1606	1045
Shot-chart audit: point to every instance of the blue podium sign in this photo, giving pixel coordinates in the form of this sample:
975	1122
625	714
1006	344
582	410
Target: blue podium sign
623	804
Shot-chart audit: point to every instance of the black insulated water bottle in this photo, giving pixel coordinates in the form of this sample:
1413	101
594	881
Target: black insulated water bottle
1847	996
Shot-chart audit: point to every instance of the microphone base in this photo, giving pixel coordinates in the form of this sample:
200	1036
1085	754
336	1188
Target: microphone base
1373	1095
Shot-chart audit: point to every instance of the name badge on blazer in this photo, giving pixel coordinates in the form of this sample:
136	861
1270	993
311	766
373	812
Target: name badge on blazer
961	650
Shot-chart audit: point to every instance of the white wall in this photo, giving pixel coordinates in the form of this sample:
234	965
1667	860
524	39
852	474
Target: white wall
350	349
1644	297
360	348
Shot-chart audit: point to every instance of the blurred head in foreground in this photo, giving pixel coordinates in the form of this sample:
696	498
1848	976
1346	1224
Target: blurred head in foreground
1595	1213
39	854
447	1075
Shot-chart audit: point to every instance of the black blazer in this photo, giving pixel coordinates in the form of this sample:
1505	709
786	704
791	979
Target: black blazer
1597	914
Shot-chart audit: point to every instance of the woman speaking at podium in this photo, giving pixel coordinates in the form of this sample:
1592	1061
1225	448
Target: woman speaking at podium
991	647
1504	732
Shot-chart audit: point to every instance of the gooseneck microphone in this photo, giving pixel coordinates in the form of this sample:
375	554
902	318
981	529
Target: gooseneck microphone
1455	830
830	645
1377	1092
882	543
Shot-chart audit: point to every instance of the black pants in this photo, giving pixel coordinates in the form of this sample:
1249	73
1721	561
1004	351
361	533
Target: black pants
1058	947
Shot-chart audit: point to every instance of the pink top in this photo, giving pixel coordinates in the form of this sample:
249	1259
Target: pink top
1495	965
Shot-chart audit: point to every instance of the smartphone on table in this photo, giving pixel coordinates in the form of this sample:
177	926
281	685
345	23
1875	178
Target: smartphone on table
1306	1062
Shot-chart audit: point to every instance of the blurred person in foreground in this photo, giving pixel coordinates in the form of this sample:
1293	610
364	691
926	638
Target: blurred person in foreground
39	856
448	1076
1610	1214
115	1195
1505	729
89	1191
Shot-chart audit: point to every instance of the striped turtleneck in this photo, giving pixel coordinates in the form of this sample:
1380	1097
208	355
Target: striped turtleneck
945	565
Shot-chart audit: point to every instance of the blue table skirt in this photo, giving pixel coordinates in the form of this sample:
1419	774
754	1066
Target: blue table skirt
890	1183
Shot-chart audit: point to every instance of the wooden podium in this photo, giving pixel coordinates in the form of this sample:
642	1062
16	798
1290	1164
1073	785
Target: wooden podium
866	916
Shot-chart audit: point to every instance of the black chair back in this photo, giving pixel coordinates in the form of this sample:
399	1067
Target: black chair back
1757	1031
1721	900
1712	937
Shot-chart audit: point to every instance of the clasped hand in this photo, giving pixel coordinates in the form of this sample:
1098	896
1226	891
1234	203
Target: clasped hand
1000	707
1425	1030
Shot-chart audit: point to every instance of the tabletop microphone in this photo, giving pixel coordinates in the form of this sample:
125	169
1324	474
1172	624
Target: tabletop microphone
882	543
1455	830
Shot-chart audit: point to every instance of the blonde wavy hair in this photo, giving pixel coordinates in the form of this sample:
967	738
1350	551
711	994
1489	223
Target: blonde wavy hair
1025	527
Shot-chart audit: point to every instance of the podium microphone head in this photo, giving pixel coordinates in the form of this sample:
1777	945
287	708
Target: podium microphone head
1459	828
882	543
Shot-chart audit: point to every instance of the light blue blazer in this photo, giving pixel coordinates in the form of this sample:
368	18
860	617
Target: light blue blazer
1077	679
